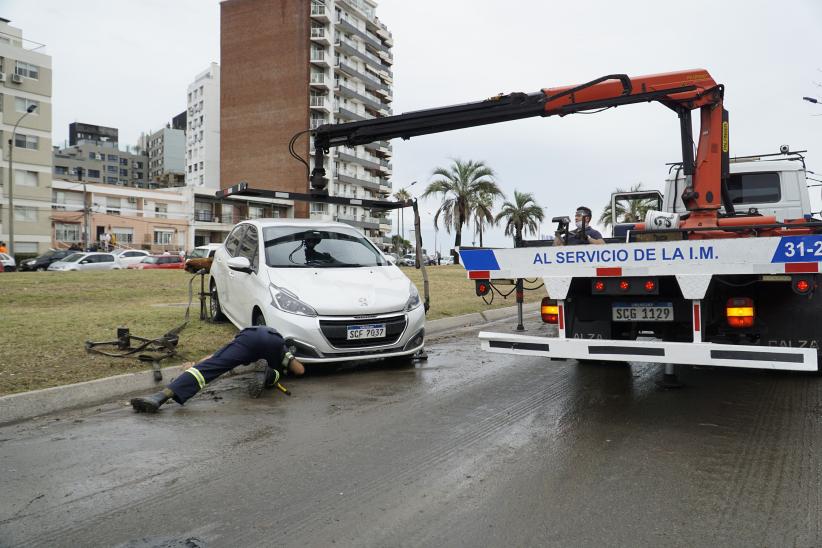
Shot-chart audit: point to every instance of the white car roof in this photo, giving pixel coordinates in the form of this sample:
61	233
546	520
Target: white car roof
263	223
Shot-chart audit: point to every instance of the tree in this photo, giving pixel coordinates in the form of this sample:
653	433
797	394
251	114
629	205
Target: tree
482	211
400	244
401	195
458	186
521	215
634	212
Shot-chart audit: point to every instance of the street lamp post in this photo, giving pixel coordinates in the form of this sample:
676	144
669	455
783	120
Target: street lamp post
11	178
402	218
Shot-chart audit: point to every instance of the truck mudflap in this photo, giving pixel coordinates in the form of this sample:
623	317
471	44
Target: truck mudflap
695	353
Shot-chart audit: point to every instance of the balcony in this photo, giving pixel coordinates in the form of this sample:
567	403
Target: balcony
320	102
319	57
368	100
319	80
353	180
320	13
317	122
369	81
321	35
348	115
350	158
361	221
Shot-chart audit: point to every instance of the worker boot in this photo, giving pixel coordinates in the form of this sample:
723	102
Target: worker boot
152	403
265	377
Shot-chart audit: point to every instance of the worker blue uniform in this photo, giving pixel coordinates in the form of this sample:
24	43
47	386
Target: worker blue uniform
575	236
249	345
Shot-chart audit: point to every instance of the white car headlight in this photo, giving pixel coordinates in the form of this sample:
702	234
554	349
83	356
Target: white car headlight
288	302
414	300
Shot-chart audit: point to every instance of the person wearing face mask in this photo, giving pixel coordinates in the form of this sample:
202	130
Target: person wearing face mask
583	234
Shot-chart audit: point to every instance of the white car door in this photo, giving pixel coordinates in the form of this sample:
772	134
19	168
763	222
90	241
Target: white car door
251	289
226	278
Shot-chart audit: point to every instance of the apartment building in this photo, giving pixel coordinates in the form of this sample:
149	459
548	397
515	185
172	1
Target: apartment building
25	82
203	130
156	220
166	157
102	162
291	65
79	131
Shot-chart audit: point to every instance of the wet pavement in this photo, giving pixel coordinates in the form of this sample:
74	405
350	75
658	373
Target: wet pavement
468	449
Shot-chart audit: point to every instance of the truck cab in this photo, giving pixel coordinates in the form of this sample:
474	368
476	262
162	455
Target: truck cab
771	186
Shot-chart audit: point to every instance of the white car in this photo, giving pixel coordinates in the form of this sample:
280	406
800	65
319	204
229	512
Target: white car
126	257
324	286
86	261
9	264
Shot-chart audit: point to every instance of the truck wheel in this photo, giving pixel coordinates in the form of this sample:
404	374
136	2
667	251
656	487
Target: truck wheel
215	310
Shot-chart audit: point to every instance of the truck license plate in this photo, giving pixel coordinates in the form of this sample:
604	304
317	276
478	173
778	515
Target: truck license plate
370	331
642	312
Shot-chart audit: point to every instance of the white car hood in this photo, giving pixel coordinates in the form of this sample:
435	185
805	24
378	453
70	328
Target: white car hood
346	291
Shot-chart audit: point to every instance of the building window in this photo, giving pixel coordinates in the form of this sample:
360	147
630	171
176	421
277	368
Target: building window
26	141
123	235
113	158
124	172
21	104
161	210
111	180
123	161
66	232
111	169
162	236
25	178
26	69
113	205
93	173
25	214
60	170
255	212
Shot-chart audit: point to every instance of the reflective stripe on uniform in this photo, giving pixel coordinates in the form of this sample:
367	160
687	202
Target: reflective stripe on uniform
197	375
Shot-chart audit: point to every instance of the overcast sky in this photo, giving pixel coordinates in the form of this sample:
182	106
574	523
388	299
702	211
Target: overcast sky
127	63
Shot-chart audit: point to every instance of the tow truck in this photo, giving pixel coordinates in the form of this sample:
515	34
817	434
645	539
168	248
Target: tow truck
706	285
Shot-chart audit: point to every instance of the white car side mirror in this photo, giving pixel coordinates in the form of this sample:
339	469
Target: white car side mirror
240	264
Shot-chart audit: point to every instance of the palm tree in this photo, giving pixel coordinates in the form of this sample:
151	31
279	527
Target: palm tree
458	186
523	215
634	212
481	209
402	195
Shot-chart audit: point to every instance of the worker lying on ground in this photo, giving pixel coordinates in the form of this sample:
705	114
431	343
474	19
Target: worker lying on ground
583	234
249	345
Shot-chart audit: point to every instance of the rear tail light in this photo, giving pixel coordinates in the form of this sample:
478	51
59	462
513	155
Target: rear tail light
482	287
549	310
599	286
740	312
650	286
803	285
624	285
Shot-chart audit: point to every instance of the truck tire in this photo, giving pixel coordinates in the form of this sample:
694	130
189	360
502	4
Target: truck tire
215	310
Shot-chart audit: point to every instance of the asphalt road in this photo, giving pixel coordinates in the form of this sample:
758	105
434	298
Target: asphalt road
468	449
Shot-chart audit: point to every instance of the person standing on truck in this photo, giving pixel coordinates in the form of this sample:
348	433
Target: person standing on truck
583	234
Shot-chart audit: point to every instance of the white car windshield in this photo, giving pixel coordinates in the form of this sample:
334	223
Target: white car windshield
198	253
297	247
74	258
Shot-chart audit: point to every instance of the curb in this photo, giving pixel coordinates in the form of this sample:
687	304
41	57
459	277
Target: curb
27	405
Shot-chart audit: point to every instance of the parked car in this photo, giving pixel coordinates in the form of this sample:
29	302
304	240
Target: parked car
9	265
128	257
85	261
409	259
173	262
392	257
42	262
201	257
326	288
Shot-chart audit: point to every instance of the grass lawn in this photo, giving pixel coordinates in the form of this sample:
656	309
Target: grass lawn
46	317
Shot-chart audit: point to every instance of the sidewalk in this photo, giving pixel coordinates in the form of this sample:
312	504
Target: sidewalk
26	405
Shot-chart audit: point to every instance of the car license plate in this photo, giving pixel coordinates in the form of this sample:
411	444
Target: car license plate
370	331
642	312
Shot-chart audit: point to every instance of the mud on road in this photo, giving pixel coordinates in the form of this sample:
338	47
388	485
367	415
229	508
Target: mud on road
468	449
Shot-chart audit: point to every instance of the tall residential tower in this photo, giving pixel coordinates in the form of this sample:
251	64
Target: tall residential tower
25	81
289	66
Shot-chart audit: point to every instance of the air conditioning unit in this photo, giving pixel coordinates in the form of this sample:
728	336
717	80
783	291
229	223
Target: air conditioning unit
16	78
2	76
